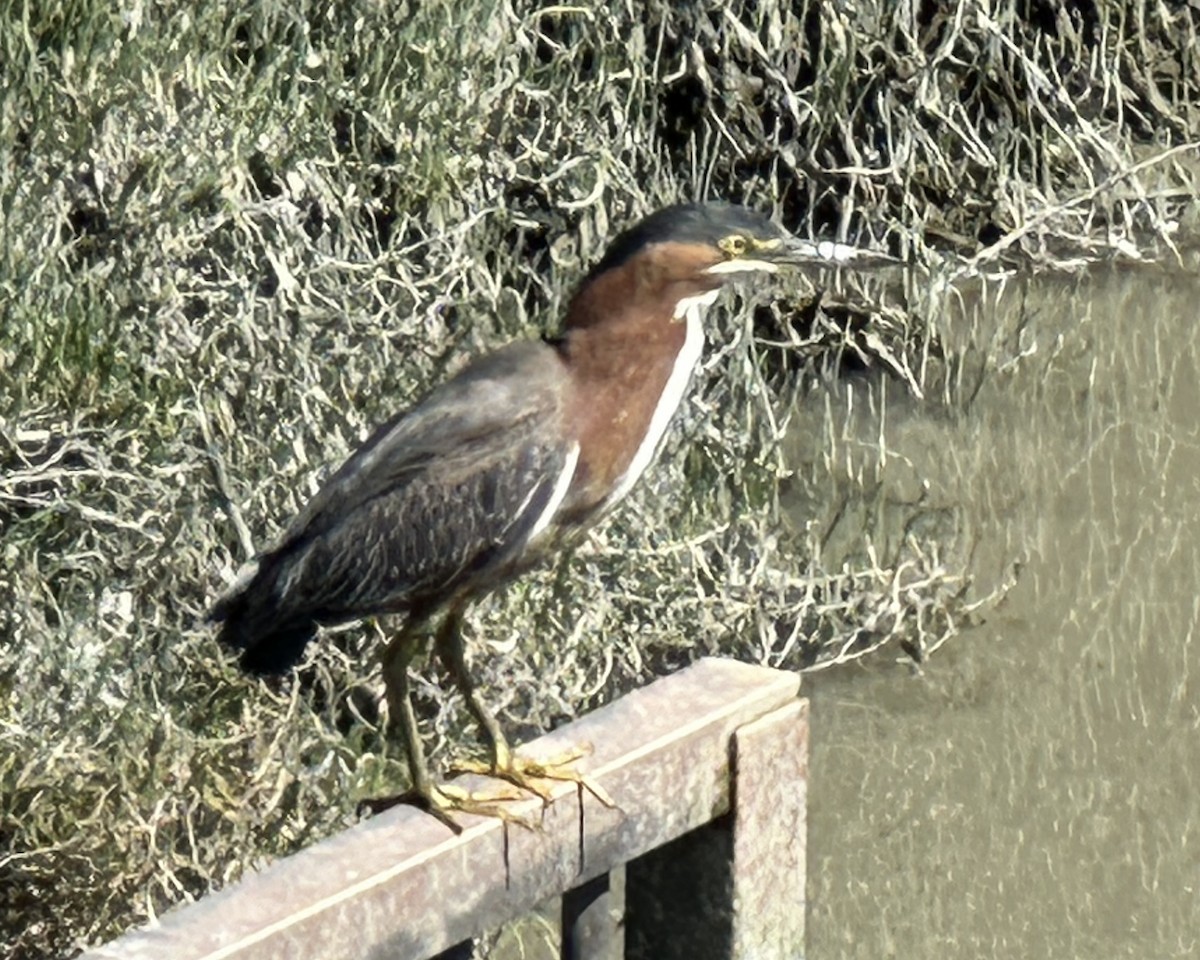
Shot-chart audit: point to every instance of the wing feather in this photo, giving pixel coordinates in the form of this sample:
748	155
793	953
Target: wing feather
438	500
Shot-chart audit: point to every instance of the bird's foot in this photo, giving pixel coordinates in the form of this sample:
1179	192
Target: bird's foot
442	801
530	774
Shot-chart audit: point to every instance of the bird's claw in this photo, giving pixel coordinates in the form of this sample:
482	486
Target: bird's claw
441	801
526	772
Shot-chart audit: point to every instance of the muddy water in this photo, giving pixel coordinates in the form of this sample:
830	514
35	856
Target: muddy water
1035	791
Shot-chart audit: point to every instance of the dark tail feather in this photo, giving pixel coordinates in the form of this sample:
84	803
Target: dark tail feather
268	640
273	652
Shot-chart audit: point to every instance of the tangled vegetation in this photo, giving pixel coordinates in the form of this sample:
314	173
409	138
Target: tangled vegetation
236	235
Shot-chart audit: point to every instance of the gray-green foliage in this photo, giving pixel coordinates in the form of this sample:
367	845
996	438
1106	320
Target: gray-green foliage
236	235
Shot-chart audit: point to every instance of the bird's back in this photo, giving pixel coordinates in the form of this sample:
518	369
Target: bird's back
439	502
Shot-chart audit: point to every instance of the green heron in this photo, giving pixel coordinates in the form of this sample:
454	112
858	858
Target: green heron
508	460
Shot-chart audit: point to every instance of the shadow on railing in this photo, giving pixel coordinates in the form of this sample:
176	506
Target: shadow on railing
709	771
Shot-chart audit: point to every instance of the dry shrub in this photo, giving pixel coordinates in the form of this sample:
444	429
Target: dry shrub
225	258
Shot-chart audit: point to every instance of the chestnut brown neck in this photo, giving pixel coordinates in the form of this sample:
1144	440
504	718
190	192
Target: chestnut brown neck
636	292
622	340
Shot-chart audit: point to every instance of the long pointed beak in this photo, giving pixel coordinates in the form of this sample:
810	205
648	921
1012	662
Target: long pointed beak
796	252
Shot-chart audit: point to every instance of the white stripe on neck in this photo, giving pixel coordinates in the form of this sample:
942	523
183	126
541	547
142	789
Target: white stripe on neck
691	311
557	495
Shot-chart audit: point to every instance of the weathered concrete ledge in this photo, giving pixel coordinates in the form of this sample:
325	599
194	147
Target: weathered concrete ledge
401	885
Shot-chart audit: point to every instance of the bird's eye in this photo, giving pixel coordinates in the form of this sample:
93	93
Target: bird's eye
734	245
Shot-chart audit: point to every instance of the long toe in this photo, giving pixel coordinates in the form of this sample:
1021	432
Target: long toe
442	802
509	773
532	774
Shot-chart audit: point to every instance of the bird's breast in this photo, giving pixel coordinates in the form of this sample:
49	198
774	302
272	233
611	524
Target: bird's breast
621	409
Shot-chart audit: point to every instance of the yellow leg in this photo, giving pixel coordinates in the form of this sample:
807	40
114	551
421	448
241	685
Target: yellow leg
396	657
449	648
522	772
439	801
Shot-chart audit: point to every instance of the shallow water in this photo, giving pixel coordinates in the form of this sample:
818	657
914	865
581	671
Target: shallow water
1035	790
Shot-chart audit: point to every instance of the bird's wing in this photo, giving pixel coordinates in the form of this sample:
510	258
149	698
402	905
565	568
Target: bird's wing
437	495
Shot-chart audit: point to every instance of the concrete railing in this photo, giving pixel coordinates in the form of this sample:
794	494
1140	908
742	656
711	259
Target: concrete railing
709	771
